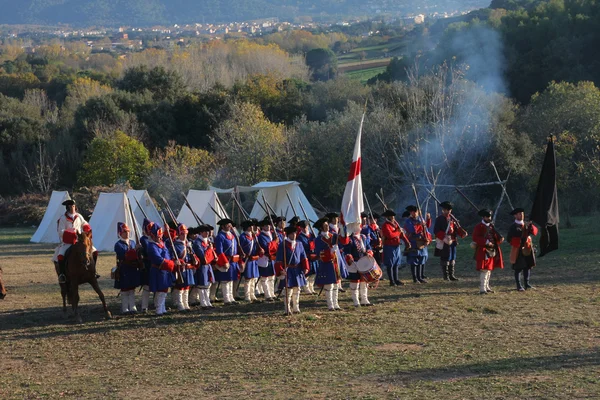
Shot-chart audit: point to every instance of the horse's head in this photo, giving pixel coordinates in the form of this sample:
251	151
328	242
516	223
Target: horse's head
85	240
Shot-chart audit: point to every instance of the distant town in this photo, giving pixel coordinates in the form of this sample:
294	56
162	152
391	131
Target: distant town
132	38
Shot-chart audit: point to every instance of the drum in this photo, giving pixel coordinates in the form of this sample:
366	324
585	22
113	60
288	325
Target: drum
368	269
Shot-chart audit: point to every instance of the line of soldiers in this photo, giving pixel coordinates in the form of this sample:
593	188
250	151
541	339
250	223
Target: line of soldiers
272	257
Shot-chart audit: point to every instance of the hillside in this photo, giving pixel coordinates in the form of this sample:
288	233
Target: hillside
149	12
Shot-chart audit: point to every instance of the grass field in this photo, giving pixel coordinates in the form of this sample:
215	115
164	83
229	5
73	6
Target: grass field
439	340
365	74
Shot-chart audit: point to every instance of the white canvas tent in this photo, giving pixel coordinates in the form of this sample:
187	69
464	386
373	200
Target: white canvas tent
145	201
275	193
110	209
199	200
47	230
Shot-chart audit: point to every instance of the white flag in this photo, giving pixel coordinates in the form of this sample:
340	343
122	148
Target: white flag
352	203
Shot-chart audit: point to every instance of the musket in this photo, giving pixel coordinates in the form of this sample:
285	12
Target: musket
371	213
312	229
235	232
178	277
140	207
459	228
467	199
188	205
291	204
134	223
244	213
422	217
169	210
385	207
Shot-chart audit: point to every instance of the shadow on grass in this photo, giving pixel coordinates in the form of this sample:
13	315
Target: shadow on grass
52	322
509	366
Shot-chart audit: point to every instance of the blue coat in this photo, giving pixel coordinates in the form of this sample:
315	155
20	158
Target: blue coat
204	274
352	248
226	247
328	271
160	279
250	247
296	261
145	273
264	242
129	274
413	228
188	273
308	242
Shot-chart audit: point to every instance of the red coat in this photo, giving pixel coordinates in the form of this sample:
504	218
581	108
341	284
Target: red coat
480	237
392	234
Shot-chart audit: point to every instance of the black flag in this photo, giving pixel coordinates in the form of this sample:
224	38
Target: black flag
545	206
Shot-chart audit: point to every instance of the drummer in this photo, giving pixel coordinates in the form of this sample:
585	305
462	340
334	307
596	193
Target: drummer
358	247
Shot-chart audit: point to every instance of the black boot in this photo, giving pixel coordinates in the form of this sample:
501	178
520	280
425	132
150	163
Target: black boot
526	275
451	270
518	280
413	271
421	273
95	257
62	271
390	276
445	267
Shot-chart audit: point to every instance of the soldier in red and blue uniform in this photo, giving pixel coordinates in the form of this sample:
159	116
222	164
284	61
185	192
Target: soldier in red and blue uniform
161	269
228	266
268	242
522	257
145	272
306	237
358	246
279	227
204	250
328	275
335	228
184	253
372	231
392	235
446	233
128	265
250	247
291	266
419	240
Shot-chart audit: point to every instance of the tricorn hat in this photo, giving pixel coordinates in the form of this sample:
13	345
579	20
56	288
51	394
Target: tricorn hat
364	215
486	212
247	224
290	229
406	214
320	222
302	224
294	220
225	221
332	215
205	228
517	210
411	208
389	213
446	205
69	202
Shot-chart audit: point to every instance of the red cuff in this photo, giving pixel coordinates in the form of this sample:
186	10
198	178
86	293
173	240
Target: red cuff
349	259
515	242
534	230
370	253
343	240
222	260
304	263
167	265
278	268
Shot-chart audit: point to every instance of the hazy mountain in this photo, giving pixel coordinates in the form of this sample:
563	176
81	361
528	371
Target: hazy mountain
149	12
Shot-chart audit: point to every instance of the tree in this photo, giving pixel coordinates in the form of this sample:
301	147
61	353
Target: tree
115	160
248	145
322	64
176	169
163	84
571	113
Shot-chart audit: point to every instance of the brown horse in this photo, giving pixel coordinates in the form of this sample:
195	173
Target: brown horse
2	288
80	268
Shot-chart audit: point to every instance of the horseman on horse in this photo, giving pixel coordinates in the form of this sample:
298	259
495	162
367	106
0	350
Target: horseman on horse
69	225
